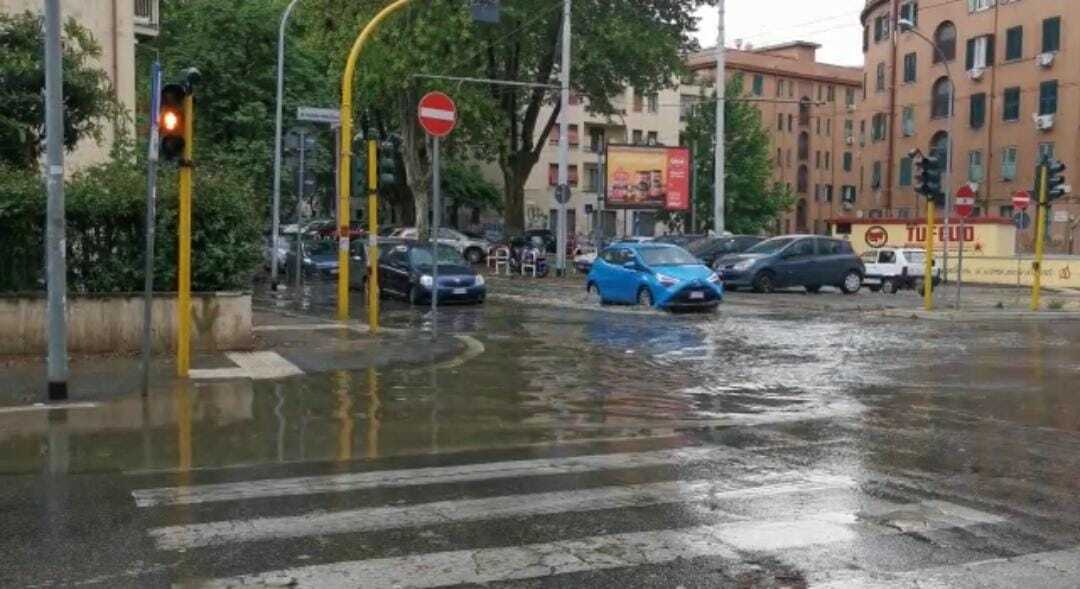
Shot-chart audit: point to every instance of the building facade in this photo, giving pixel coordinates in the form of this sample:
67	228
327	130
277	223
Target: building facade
1015	68
116	26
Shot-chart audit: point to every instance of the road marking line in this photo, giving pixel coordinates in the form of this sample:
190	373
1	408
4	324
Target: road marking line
218	373
301	327
595	553
44	407
264	365
386	479
473	510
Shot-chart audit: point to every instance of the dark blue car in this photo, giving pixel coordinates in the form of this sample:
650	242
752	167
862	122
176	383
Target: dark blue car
654	274
794	260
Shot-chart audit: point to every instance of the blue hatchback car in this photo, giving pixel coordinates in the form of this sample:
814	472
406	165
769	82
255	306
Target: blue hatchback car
654	274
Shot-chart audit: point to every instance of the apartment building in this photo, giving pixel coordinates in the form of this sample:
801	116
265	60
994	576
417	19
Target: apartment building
116	25
1015	67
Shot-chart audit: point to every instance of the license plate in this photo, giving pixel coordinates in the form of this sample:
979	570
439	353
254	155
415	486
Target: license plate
460	291
697	295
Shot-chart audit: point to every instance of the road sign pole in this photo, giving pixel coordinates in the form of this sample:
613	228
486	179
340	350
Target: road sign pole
928	268
373	231
960	263
436	204
151	215
275	214
298	266
56	254
1040	237
183	299
564	141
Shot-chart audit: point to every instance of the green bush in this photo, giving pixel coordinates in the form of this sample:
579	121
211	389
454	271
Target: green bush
105	211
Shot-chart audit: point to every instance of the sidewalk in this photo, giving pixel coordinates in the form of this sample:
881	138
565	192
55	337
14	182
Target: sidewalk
286	345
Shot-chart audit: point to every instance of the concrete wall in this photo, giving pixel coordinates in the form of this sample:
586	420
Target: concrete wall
113	323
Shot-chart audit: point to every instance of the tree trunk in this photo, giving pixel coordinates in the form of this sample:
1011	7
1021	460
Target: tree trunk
514	209
417	163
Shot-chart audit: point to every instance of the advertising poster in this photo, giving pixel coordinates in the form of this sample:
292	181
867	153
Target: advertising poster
640	177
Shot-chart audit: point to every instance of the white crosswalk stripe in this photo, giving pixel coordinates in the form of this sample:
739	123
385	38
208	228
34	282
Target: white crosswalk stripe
715	528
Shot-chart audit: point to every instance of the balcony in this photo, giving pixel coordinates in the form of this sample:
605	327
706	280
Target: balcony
147	18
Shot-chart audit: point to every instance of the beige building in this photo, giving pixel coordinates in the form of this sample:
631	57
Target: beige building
116	25
1016	69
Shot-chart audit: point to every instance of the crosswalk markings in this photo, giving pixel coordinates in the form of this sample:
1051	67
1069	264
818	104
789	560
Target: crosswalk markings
263	365
424	476
471	510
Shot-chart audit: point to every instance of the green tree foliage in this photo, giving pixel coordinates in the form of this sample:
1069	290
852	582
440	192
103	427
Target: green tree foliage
88	98
464	186
753	201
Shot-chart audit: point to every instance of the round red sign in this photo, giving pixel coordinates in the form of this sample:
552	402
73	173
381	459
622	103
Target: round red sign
1021	200
438	114
877	236
965	201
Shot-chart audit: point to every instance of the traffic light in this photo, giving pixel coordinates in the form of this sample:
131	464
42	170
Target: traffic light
388	168
927	178
171	122
359	168
1055	180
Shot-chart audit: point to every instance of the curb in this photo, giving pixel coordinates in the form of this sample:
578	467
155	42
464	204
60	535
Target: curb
982	316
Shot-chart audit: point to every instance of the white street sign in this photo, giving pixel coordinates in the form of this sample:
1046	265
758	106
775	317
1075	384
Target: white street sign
329	116
1061	216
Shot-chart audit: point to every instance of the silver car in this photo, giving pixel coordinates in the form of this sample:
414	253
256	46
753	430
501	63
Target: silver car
474	250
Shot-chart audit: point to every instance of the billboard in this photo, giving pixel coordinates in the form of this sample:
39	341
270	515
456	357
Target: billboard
641	177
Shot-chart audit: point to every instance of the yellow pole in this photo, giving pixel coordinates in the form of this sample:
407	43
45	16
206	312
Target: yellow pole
1040	236
183	299
928	269
345	171
373	232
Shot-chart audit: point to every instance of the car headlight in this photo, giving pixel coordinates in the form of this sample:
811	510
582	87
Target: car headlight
479	280
743	265
714	278
666	280
427	281
307	260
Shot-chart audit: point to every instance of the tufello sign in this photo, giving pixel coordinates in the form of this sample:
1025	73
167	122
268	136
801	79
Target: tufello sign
917	233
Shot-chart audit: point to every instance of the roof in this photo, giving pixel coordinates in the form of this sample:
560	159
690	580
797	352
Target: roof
766	61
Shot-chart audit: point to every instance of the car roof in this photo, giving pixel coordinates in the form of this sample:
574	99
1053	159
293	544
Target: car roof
637	245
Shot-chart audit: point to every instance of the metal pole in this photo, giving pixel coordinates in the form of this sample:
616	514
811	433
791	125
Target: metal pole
960	265
337	175
928	267
299	219
373	230
151	215
1040	236
564	140
693	188
276	208
436	194
183	300
55	238
601	174
719	222
948	181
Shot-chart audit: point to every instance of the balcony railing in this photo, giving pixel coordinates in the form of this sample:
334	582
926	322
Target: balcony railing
147	17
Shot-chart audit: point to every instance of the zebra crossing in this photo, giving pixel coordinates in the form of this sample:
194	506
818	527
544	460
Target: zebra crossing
567	517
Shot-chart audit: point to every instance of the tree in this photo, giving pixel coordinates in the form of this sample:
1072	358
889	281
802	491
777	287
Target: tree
88	97
465	186
752	200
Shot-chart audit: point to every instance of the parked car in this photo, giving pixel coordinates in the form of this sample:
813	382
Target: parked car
358	269
320	258
711	249
892	269
474	250
682	240
405	271
658	275
795	260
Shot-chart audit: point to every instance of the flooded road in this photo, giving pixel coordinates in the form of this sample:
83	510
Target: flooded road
757	446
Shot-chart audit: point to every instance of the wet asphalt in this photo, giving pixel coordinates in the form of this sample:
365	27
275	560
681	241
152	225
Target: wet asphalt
817	448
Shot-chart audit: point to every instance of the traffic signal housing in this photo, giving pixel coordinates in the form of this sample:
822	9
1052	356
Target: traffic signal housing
171	124
359	167
927	177
1055	180
388	165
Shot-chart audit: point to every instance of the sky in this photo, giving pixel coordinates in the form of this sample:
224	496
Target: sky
834	24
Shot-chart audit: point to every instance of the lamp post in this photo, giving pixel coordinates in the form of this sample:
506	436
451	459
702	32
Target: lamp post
276	207
908	26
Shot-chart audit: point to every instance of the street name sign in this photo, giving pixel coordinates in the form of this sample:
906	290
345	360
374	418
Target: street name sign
329	116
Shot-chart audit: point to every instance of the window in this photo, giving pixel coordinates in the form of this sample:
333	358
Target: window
758	87
945	39
553	175
875	176
828	160
790	89
905	171
1048	97
1014	43
980	52
828	127
803	180
817	160
573	135
911	62
818	131
821	93
881	28
779	88
637	137
789	157
779	157
828	192
866	38
780	121
1006	211
909	11
804	146
596	139
831	93
847	193
1046	151
639	102
939	147
804	112
975	166
654	103
978	110
862	133
790	123
1008	164
941	99
1012	104
848	159
654	138
1051	35
879	83
849	129
907	121
977	5
849	99
686	106
878	126
592	177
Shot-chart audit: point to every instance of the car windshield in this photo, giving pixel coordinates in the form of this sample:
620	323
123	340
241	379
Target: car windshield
421	255
771	246
916	257
667	256
703	245
320	248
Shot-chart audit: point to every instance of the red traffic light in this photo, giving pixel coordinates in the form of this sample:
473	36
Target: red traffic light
171	122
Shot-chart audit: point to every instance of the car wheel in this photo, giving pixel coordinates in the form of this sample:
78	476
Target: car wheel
875	288
764	282
644	297
889	287
474	255
591	289
852	283
919	285
813	289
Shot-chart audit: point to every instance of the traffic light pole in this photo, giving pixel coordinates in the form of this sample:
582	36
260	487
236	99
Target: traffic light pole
564	142
373	233
1040	236
928	268
55	258
183	299
275	215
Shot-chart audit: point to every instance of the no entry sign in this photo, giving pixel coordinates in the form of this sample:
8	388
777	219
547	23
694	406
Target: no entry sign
438	114
965	201
1021	200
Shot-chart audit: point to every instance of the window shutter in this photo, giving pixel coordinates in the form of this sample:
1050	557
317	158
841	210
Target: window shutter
990	43
970	64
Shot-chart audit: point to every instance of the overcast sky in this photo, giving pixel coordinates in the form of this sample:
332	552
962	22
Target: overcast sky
833	24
